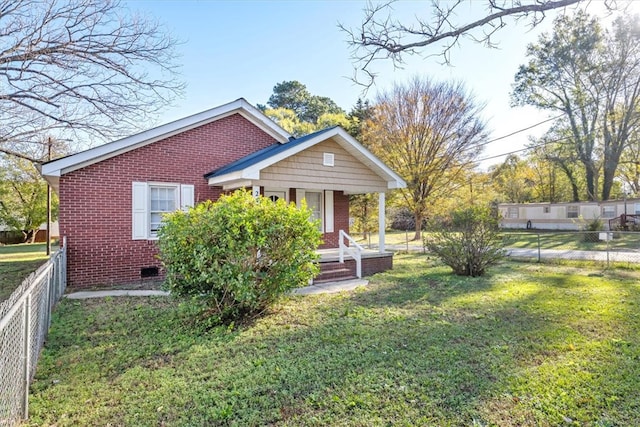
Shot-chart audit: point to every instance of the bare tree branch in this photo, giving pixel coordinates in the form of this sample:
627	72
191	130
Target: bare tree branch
430	133
380	37
80	69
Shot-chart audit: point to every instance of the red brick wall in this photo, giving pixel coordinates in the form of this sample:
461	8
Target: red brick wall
95	202
375	265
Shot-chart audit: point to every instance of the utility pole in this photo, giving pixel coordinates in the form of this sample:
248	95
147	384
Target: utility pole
48	201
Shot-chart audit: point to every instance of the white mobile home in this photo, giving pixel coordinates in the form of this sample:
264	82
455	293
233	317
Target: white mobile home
564	216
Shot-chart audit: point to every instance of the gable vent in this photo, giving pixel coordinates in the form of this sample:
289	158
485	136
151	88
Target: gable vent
328	159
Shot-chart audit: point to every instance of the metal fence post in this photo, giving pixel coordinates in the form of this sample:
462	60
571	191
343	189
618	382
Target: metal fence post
608	238
26	352
538	247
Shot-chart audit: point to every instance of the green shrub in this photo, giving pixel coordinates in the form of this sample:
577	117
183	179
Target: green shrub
238	254
469	243
591	229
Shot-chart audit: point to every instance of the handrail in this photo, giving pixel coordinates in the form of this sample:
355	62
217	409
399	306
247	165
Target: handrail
623	221
356	253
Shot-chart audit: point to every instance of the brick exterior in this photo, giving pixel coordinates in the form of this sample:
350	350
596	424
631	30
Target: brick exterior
377	264
96	206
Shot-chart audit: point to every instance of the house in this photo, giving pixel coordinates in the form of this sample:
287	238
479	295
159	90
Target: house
565	216
112	197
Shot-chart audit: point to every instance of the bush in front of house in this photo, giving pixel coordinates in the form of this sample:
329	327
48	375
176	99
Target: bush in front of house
469	243
238	254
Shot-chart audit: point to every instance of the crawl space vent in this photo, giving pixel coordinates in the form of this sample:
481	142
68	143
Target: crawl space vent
148	272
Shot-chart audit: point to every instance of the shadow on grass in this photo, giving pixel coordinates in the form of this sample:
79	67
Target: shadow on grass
522	346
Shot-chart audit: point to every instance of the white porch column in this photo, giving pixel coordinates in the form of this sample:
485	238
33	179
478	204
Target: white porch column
255	190
381	220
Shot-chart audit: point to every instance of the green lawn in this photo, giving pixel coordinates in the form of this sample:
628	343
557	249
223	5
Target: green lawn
527	345
625	241
573	241
16	263
392	237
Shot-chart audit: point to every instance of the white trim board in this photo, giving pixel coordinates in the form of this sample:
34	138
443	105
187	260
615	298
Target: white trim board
57	168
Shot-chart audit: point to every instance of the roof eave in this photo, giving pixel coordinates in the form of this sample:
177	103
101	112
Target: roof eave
115	148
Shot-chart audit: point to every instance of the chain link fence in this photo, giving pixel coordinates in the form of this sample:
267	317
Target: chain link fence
24	321
609	248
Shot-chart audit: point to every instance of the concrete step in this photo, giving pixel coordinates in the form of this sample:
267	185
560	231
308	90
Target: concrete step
328	279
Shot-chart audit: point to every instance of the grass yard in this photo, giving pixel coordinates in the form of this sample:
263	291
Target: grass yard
567	240
392	237
17	262
527	345
626	241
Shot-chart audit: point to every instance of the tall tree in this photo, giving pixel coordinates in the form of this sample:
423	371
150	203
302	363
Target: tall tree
382	36
294	96
289	121
552	153
621	81
429	133
23	195
630	165
515	180
79	68
359	114
593	77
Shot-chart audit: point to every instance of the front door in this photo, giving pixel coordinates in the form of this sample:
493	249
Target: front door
275	195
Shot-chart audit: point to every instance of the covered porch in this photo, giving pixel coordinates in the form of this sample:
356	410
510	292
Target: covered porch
321	170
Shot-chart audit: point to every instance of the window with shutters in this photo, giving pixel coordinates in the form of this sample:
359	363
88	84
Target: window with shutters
152	200
163	199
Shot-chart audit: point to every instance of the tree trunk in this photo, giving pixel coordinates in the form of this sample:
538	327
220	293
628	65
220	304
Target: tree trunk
607	183
418	235
591	182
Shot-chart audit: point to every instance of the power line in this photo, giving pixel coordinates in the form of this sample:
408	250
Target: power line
519	131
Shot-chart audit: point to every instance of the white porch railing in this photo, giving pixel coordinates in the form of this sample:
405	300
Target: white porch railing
354	250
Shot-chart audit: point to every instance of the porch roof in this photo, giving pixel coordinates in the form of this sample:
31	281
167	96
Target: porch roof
247	170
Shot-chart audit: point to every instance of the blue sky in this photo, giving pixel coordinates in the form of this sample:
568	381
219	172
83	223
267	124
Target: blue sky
236	49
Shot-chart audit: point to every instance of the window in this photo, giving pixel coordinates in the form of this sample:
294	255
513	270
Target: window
512	212
637	209
321	205
546	209
275	195
314	202
608	212
163	200
151	201
573	211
